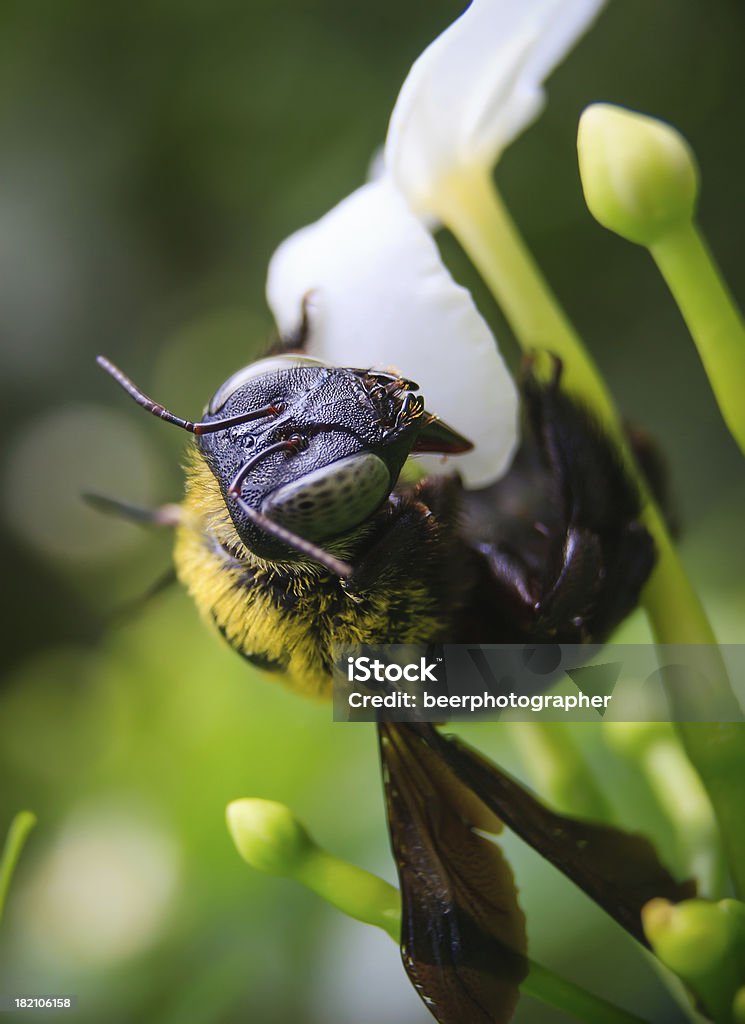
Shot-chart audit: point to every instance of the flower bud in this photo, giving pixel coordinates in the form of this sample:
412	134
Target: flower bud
690	937
704	943
639	175
268	836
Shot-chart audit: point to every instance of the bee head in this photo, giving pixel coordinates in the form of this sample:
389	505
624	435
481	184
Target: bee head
323	457
304	452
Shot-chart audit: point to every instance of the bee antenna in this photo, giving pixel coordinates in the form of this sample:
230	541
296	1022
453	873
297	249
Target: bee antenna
162	413
335	565
163	515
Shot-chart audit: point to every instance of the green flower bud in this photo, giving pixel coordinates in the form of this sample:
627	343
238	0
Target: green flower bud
268	836
704	943
690	937
639	175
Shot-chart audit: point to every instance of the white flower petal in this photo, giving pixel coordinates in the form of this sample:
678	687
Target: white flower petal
380	296
476	87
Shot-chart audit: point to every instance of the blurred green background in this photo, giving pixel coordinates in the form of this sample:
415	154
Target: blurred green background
153	155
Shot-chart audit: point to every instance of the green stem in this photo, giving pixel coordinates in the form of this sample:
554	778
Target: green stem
369	899
558	769
472	209
354	891
716	751
20	827
679	791
713	319
582	1005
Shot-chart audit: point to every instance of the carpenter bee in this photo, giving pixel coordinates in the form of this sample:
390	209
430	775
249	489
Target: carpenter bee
297	538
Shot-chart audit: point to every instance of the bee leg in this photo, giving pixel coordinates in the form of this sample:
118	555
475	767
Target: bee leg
297	339
134	606
416	543
566	566
605	555
393	548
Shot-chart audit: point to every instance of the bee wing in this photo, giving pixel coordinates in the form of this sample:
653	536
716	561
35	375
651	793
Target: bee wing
463	932
619	870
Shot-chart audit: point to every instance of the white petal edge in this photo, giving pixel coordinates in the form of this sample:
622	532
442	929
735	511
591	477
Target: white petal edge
477	87
380	296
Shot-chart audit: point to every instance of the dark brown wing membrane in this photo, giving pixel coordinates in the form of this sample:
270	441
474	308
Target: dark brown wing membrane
463	932
619	870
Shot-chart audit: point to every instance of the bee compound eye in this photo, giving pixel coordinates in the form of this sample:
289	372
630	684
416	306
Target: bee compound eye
331	500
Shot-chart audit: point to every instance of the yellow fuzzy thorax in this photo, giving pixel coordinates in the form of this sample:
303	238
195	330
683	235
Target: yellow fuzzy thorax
289	618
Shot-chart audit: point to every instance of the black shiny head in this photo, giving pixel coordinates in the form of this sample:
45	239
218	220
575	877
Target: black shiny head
303	452
327	457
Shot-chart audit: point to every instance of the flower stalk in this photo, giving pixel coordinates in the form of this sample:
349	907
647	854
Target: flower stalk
471	207
559	770
18	833
271	839
679	792
715	322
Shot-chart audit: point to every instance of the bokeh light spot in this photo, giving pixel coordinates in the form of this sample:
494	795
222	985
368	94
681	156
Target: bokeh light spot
69	451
